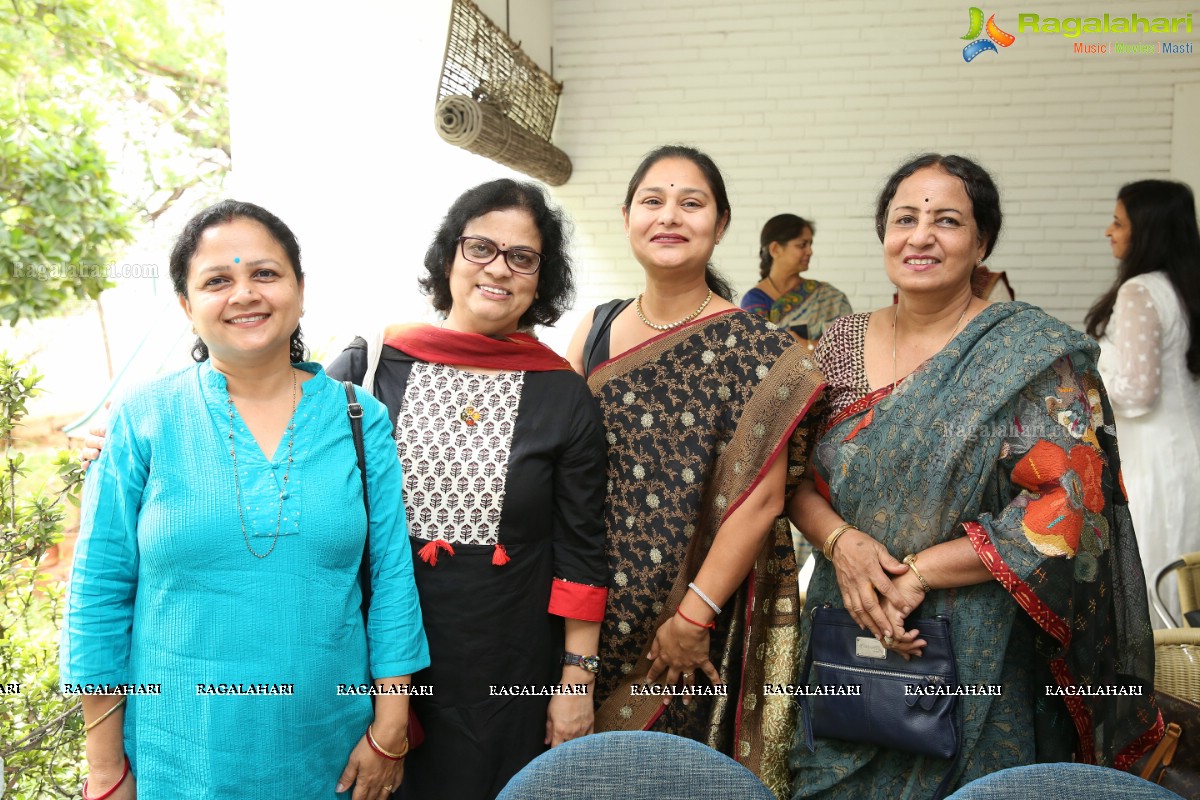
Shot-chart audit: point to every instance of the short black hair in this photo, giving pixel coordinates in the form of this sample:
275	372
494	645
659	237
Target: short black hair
980	188
556	280
222	213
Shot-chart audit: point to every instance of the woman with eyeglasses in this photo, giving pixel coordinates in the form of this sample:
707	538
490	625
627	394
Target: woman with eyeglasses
504	463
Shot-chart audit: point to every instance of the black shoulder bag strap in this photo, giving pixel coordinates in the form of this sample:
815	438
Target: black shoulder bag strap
355	411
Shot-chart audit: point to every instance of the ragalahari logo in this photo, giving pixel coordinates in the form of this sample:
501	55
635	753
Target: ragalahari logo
995	36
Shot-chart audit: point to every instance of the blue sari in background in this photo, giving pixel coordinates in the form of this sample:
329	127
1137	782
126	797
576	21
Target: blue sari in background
1006	437
806	310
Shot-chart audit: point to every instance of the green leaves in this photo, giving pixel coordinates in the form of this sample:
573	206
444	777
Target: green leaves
145	77
40	739
64	221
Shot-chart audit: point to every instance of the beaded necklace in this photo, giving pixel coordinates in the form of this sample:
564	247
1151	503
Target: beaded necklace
237	481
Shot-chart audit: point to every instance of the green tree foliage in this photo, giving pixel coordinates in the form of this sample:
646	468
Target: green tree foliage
40	729
84	85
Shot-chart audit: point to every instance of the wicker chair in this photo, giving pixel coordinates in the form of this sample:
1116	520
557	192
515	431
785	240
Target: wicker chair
1187	574
1177	662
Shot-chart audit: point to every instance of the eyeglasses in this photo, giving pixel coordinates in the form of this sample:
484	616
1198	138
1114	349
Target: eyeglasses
479	250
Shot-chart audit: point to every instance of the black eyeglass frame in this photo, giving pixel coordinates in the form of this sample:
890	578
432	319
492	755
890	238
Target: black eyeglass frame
500	251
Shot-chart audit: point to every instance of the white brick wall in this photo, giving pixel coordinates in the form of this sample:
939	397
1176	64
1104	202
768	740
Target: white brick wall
808	106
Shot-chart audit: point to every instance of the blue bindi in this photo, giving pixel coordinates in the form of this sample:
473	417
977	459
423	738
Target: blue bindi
237	261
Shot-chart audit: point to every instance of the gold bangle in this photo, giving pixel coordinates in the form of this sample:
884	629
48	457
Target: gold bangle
911	560
105	715
831	539
376	745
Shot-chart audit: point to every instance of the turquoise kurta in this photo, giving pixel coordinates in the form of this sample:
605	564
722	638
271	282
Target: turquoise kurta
164	590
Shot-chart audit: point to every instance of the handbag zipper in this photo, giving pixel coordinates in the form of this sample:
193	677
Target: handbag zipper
884	672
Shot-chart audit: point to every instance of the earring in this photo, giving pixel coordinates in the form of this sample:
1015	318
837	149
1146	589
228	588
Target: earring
537	295
302	311
194	329
979	262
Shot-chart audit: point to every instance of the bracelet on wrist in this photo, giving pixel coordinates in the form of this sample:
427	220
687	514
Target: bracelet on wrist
831	540
911	560
707	600
115	786
712	626
105	715
374	745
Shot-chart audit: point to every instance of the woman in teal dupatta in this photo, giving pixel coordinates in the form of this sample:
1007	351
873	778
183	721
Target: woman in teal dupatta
994	463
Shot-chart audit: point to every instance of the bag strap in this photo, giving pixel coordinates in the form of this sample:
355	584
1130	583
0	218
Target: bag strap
1162	756
355	411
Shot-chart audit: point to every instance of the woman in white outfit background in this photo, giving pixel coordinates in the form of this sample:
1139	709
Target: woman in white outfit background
1148	324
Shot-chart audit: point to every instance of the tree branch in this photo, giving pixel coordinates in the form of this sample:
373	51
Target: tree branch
40	731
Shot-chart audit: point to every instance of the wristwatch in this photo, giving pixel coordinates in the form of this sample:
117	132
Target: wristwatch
589	663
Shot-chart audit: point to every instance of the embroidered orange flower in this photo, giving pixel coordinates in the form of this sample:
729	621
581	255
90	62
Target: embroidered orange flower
1054	520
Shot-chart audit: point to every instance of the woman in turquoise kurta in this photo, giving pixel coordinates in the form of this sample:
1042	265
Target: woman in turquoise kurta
222	533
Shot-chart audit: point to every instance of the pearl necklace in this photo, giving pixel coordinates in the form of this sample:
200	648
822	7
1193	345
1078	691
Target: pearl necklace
237	482
670	325
896	315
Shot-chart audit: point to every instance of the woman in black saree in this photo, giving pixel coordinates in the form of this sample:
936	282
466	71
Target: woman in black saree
704	416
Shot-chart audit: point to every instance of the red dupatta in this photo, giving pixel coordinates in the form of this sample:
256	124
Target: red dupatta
515	352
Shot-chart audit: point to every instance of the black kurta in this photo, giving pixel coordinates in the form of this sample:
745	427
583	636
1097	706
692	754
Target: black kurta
488	625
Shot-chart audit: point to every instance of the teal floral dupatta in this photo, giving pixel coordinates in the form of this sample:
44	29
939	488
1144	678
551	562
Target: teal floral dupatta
1006	437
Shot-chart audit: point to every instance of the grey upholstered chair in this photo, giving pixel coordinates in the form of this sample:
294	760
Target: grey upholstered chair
634	765
1062	782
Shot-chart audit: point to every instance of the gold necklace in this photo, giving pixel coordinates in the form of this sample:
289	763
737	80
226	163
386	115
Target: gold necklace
237	482
670	325
896	315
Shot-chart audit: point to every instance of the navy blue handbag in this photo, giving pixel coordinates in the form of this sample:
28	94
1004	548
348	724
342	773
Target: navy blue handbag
876	697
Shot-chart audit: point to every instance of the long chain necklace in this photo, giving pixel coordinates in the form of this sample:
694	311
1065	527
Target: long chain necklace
896	315
237	482
670	325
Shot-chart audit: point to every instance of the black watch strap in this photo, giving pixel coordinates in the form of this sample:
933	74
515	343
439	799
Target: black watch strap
589	663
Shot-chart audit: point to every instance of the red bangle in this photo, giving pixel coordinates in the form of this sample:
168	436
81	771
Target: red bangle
116	786
712	626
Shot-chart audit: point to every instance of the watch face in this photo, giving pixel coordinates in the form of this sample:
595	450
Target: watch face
589	663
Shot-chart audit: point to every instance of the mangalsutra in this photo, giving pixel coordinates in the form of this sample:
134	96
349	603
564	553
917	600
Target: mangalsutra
282	492
896	316
670	325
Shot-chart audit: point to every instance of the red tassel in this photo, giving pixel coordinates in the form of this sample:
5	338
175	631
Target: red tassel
429	553
500	556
